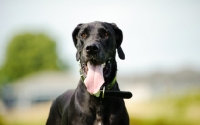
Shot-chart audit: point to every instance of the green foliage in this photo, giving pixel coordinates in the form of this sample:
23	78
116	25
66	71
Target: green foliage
28	53
1	120
171	110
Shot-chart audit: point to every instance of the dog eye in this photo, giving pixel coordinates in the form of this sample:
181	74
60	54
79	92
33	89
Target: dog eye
83	35
106	34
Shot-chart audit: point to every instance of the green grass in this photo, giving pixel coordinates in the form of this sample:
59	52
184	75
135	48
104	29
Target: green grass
173	110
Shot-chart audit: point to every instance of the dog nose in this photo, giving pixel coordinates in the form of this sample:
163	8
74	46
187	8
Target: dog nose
93	48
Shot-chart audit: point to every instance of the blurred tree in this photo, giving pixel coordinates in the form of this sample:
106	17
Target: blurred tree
28	53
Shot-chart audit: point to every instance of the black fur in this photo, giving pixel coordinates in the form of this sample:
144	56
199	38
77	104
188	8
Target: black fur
95	42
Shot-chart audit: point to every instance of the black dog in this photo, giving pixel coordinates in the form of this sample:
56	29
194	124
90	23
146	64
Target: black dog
94	101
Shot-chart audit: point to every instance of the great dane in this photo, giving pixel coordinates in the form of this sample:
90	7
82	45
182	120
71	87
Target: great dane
97	100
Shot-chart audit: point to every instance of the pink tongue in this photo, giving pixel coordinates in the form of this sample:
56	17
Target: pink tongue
94	79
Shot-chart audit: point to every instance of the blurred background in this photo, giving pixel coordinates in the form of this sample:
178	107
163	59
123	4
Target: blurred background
161	43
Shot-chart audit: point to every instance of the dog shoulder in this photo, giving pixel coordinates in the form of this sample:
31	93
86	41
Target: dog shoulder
64	99
54	115
58	107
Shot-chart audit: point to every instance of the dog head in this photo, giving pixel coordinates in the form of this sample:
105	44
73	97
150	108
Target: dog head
96	45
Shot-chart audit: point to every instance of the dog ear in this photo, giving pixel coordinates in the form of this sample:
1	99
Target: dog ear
74	36
119	38
75	33
120	53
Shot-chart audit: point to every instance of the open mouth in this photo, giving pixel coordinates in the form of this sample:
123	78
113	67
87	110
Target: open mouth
94	75
106	68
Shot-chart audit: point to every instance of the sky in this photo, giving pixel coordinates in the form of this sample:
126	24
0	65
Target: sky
159	35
